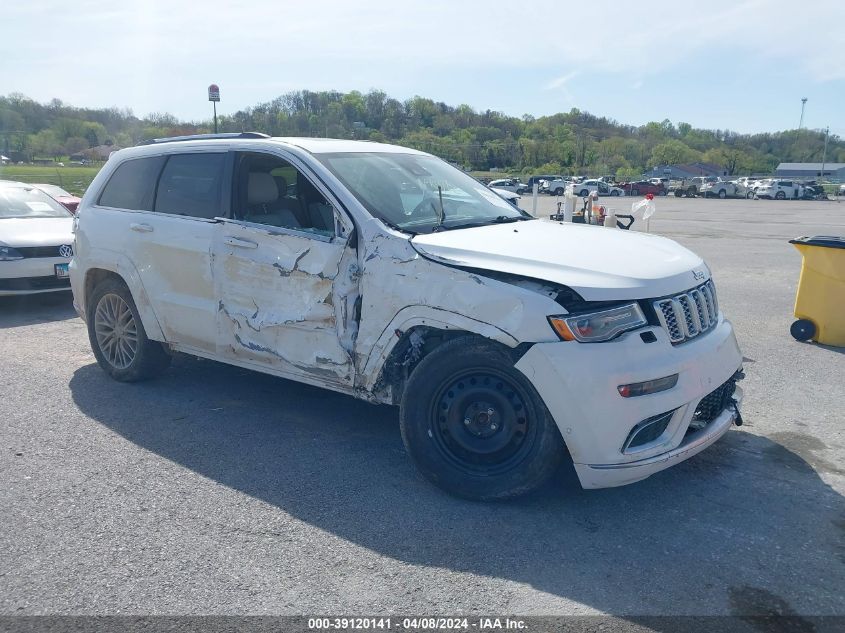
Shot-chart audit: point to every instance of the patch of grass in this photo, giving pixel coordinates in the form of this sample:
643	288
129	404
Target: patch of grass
73	179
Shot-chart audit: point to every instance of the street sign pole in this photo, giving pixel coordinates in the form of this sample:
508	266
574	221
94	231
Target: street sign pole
214	97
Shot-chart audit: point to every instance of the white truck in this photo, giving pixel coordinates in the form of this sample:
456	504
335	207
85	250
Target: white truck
508	343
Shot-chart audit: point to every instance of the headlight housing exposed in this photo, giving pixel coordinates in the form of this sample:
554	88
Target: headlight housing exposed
595	327
7	254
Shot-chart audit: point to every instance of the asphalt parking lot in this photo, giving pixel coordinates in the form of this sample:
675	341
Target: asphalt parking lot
218	490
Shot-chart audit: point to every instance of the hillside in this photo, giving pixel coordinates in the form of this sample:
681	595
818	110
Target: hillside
568	143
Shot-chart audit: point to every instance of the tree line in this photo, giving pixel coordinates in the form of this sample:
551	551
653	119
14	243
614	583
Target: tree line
568	143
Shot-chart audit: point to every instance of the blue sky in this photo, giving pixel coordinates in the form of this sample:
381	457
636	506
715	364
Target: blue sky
741	65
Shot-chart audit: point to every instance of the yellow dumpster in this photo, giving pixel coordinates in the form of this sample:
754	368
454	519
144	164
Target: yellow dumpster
820	302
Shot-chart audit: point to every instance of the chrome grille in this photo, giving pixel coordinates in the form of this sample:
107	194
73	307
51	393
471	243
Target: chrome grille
689	314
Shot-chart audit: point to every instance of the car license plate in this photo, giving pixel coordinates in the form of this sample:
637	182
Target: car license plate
61	271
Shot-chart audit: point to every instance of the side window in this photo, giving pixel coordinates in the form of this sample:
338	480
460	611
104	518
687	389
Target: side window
133	184
269	190
190	185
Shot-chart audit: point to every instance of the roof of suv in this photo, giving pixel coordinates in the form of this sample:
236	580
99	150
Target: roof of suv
312	145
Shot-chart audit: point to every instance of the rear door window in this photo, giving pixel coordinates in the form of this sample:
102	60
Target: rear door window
132	185
191	185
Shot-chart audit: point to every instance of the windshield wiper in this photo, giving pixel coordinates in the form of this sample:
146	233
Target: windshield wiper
499	219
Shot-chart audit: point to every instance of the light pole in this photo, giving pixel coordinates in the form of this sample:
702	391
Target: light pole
824	153
801	120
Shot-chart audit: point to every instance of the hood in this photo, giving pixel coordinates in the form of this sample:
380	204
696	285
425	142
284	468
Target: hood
36	231
599	264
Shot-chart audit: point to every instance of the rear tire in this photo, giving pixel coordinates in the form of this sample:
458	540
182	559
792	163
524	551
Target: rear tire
584	193
723	194
780	195
614	193
117	335
475	426
803	330
750	195
558	191
635	192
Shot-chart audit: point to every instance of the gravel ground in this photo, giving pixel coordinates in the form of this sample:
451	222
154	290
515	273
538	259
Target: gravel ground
215	490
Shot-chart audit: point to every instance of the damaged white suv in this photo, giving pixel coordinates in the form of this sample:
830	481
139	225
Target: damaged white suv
382	272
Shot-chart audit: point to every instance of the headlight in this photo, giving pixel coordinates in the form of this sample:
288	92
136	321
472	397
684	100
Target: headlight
596	327
7	254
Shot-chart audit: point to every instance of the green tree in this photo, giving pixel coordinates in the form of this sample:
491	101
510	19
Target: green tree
672	152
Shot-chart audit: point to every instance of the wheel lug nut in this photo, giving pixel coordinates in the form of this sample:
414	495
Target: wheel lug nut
490	412
494	426
467	421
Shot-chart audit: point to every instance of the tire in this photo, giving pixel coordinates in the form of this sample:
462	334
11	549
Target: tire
750	195
584	193
614	193
635	192
723	194
678	193
780	195
662	193
803	330
692	192
131	356
475	426
558	191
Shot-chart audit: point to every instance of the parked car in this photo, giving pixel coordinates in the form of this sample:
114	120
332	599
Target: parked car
555	187
467	313
67	200
779	190
36	238
661	181
540	180
722	189
509	184
585	188
643	187
507	196
689	187
842	190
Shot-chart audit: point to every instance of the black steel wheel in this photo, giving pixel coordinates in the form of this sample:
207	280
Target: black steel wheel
474	425
803	330
480	421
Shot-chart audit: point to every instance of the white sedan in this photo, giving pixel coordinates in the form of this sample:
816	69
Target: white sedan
36	241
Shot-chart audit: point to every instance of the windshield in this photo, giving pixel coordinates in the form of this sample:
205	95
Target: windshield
417	193
29	202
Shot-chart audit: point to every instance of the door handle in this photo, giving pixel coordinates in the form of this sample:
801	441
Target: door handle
141	228
240	243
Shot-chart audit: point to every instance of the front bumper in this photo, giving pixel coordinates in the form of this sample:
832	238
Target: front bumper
578	383
32	275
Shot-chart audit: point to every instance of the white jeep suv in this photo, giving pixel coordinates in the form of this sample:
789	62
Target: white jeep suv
508	342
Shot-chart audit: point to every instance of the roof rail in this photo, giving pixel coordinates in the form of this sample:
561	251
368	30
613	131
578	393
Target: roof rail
204	137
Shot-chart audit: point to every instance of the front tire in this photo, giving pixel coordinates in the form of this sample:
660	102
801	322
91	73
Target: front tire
118	338
558	191
614	193
780	195
723	194
475	426
584	193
